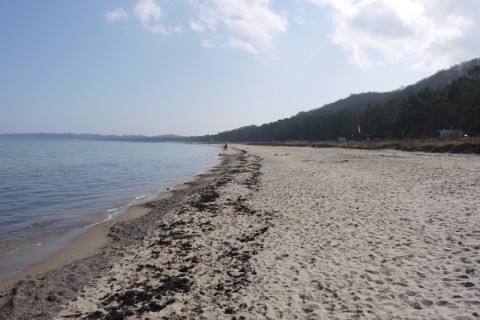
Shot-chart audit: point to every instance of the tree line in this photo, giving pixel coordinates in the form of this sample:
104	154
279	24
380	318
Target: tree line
419	115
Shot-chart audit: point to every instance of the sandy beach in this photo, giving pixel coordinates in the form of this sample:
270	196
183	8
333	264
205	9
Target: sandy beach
282	233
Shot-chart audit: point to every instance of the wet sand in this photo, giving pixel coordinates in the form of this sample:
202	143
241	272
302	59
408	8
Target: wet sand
287	233
85	245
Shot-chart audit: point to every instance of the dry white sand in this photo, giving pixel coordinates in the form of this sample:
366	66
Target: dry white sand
301	233
369	234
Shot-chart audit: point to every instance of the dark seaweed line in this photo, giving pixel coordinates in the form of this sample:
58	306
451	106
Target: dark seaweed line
235	257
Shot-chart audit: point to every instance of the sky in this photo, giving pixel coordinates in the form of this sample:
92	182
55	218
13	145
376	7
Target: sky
196	67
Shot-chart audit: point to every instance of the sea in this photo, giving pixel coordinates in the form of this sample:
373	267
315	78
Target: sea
52	190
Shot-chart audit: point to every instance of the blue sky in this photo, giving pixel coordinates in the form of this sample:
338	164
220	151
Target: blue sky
195	67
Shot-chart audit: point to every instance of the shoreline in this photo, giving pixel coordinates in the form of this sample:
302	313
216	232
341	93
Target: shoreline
95	239
84	245
48	203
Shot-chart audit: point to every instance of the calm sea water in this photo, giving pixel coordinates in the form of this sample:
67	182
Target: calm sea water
52	186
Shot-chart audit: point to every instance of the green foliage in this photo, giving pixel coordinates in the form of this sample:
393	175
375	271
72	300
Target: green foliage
417	115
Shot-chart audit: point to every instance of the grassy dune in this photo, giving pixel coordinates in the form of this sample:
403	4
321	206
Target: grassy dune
468	146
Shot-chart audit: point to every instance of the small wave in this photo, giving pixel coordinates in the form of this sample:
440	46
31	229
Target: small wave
114	209
140	197
41	224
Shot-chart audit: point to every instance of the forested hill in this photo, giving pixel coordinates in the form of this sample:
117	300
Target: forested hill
450	98
438	81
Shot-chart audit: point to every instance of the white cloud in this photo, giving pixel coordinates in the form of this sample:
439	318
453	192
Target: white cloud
242	45
150	15
116	15
419	32
249	25
196	26
148	11
207	43
175	29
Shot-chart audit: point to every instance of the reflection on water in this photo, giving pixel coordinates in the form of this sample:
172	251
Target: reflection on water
53	187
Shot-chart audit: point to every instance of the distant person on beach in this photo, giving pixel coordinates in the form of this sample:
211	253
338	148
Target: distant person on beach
225	147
